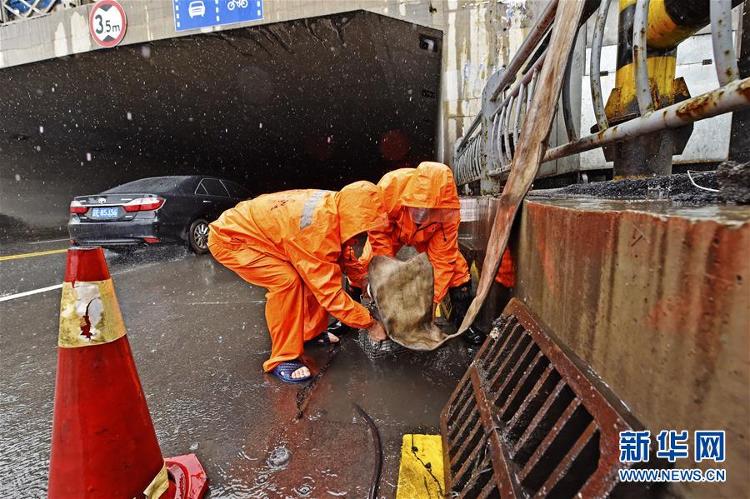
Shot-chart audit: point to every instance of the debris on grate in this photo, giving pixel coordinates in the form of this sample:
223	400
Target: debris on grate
529	419
377	349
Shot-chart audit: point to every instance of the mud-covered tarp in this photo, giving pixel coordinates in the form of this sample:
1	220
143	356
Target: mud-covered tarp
403	293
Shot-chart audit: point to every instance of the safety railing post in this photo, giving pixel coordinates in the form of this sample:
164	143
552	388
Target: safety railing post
595	65
725	58
639	142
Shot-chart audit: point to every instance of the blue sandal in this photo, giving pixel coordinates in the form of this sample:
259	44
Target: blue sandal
284	371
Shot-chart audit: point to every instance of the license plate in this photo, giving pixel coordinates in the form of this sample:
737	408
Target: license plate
105	213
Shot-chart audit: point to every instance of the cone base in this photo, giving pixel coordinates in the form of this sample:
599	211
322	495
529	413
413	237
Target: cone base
187	478
103	440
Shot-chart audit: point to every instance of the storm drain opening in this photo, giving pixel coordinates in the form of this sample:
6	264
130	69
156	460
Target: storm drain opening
375	350
530	419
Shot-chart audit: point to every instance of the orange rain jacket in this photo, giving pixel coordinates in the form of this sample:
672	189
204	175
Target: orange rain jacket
308	229
430	185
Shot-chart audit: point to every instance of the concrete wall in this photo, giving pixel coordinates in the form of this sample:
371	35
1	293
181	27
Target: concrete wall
72	108
656	299
65	31
480	37
314	103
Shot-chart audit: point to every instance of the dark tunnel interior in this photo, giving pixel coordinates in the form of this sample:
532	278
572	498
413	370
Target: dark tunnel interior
317	103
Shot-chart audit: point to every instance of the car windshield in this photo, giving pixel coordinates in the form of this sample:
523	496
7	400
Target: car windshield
152	184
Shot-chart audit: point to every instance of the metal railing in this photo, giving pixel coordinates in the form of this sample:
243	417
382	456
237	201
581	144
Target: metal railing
18	10
487	149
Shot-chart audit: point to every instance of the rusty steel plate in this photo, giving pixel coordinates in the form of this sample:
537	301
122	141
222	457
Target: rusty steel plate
528	419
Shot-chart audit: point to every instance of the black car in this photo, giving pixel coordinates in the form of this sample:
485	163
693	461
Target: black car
153	210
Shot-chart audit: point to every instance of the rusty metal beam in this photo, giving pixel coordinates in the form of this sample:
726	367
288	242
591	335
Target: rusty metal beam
507	480
734	96
725	58
640	48
595	65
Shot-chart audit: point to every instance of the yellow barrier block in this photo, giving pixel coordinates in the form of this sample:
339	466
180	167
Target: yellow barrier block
421	472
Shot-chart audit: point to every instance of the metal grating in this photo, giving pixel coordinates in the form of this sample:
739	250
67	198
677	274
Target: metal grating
378	349
528	420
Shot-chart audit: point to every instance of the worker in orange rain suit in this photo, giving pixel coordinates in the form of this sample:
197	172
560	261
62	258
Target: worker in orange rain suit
424	211
294	244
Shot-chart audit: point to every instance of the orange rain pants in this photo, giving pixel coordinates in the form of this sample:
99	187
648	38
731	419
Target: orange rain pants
290	305
296	244
506	273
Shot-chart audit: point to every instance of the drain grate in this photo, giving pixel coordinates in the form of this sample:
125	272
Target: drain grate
378	349
528	419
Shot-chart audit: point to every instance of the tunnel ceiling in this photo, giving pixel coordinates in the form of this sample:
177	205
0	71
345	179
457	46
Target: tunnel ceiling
315	102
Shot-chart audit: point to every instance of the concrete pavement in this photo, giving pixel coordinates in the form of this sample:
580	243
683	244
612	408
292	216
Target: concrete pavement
199	338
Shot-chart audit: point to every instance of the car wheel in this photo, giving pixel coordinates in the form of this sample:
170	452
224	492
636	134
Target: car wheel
198	236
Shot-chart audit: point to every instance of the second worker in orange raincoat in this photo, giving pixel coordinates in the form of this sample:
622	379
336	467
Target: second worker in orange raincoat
295	244
424	212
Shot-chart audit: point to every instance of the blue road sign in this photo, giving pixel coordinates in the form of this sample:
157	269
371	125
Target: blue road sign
195	14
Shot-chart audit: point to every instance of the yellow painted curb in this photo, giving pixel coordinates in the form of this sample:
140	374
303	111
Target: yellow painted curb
421	472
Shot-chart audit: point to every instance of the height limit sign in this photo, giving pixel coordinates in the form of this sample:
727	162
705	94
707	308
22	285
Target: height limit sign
107	23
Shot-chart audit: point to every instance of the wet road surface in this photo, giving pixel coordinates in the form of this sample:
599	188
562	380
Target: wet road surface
199	339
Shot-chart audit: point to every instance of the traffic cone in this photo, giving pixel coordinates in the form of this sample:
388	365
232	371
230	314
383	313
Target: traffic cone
103	440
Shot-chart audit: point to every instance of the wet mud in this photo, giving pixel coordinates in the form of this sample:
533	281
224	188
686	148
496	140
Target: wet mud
729	184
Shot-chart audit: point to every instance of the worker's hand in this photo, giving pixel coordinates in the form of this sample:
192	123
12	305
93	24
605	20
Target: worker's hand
376	332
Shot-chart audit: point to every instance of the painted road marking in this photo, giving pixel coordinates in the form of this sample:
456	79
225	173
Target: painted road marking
29	293
50	241
58	286
421	471
30	255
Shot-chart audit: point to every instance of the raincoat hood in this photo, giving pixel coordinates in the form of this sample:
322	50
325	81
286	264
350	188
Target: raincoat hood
360	208
431	186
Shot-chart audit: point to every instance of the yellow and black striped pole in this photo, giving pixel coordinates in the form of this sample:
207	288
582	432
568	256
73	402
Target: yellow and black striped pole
669	23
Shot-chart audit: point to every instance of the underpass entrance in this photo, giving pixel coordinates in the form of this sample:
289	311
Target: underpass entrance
317	102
